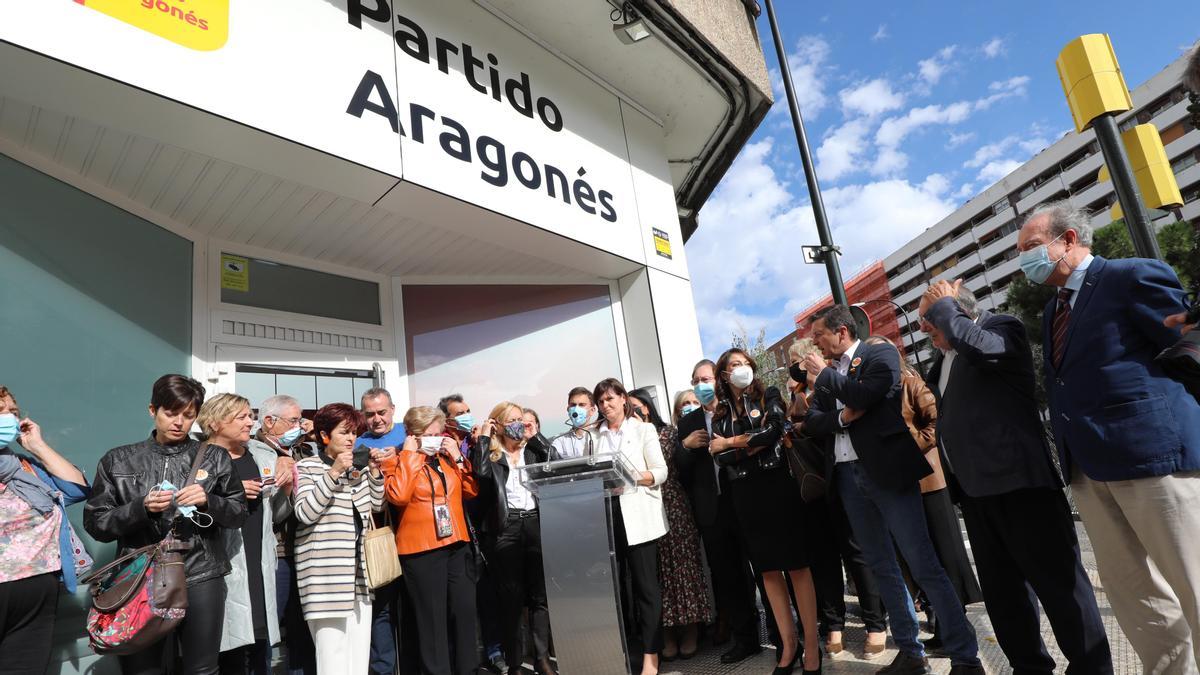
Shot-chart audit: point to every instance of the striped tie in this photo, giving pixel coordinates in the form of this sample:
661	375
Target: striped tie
1062	319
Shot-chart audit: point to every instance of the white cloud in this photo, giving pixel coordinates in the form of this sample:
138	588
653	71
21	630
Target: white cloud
957	139
881	33
1002	89
839	153
996	160
995	170
870	98
931	70
744	256
994	47
895	129
809	66
889	162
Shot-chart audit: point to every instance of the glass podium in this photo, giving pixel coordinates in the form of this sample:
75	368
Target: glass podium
579	559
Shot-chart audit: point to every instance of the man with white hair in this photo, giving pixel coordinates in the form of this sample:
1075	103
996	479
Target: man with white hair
1128	435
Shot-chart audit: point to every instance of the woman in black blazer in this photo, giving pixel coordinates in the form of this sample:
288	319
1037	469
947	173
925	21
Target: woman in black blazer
512	533
747	425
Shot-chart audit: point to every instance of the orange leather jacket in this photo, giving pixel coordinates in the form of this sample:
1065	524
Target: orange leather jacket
411	483
919	408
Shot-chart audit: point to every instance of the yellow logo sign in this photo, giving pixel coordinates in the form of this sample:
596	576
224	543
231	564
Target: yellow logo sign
202	25
662	243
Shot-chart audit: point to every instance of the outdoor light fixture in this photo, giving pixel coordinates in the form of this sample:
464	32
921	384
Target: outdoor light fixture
629	26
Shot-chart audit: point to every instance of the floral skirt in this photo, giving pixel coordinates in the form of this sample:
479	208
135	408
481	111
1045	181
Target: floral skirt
680	568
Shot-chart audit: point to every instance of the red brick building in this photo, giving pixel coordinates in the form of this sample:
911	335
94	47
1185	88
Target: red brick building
870	288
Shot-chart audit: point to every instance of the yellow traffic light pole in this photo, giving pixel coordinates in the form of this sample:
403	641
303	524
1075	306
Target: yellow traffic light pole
1096	93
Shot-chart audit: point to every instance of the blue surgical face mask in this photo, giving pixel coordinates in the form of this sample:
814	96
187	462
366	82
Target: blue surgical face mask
577	415
690	408
705	392
188	512
465	422
290	437
10	428
1036	262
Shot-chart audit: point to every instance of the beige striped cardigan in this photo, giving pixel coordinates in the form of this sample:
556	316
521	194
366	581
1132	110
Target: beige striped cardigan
326	545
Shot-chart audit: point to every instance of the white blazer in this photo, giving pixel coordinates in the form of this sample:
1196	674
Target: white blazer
641	506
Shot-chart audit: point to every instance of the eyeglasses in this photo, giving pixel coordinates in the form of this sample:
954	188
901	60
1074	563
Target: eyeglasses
293	421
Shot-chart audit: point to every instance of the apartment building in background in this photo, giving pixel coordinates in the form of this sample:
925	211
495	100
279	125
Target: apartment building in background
977	242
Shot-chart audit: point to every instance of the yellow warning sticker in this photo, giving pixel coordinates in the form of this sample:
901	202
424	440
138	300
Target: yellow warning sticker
235	273
662	243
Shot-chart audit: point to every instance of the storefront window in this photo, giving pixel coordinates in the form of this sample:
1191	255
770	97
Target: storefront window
527	344
97	305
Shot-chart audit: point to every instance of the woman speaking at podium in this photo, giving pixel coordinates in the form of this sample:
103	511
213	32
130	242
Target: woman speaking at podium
638	516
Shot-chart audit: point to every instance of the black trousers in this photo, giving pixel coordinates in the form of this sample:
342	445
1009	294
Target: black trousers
27	610
443	599
641	596
253	659
517	563
196	641
1025	545
732	579
301	657
832	546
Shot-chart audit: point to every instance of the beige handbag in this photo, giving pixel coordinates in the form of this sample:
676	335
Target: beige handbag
379	550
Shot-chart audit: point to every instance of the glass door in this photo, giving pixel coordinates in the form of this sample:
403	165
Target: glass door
314	380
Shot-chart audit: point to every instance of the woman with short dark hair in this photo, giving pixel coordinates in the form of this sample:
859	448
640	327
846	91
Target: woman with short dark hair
336	493
140	495
639	520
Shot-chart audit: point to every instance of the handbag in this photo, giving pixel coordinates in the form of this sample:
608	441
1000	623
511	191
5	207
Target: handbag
804	462
379	551
140	597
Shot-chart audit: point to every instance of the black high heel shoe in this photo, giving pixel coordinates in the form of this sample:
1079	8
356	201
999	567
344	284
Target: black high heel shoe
787	668
820	664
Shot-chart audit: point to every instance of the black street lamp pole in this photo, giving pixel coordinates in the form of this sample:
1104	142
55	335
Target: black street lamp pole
828	250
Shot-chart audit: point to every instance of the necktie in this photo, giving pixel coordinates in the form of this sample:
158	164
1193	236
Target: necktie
1062	319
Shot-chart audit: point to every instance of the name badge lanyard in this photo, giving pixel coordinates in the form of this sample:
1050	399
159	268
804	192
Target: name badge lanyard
442	524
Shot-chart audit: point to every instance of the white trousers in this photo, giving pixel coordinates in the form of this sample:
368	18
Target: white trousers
344	644
1146	536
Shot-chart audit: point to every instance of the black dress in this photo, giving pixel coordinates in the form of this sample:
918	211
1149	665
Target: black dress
766	498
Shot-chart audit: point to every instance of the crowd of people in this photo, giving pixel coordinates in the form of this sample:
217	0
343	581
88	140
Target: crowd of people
276	509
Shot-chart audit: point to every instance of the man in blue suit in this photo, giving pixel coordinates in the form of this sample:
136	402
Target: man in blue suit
1127	434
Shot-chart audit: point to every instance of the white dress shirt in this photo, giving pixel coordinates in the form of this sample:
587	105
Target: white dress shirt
610	441
944	376
843	449
1078	276
519	497
572	445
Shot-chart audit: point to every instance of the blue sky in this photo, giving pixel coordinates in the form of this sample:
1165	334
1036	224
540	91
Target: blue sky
911	109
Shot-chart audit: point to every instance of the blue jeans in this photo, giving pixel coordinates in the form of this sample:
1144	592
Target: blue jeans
384	625
878	516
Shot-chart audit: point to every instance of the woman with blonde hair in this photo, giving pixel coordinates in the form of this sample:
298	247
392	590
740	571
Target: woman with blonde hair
251	621
429	479
512	534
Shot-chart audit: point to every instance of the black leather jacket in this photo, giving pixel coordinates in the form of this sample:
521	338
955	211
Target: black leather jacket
763	421
116	512
493	481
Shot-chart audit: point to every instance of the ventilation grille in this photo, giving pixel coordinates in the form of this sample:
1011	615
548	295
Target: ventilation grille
299	335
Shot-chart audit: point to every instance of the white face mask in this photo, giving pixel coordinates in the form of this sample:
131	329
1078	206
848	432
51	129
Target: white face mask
741	377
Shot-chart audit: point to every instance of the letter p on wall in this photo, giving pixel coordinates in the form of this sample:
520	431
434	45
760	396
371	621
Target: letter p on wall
202	25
